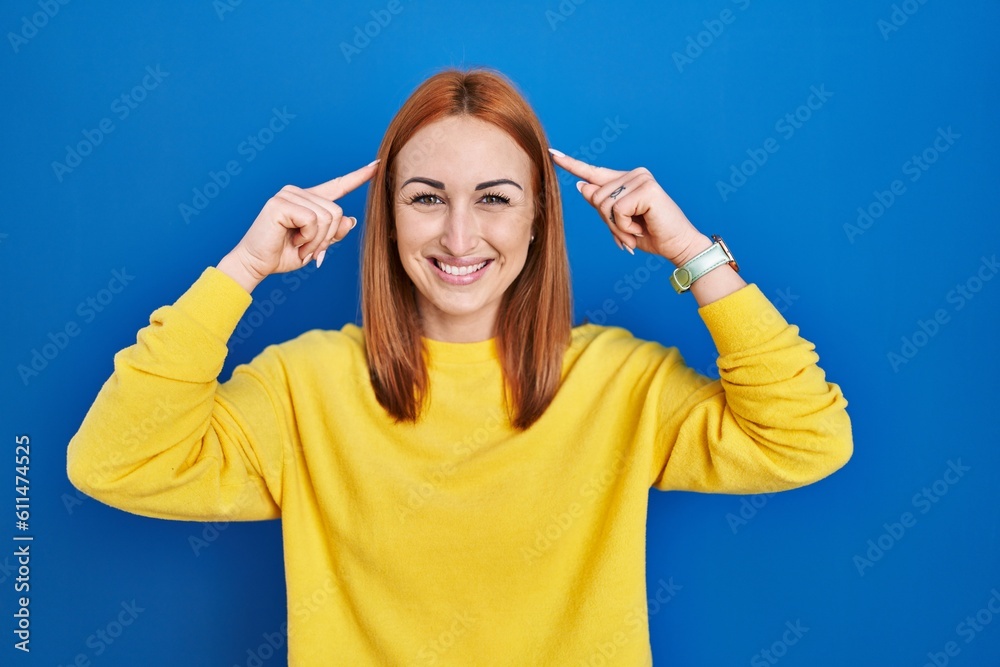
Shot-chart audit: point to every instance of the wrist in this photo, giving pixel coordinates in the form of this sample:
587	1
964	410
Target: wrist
696	245
233	267
709	278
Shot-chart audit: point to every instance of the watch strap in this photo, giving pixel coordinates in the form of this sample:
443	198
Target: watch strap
711	258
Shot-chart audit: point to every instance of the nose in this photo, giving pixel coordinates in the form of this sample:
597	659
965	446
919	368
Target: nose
461	231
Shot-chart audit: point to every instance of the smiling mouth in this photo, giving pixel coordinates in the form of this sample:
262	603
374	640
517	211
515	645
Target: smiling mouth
460	270
460	275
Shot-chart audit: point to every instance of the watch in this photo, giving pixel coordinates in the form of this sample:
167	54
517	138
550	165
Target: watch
712	258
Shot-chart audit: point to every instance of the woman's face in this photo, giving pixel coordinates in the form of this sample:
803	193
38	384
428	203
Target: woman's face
464	206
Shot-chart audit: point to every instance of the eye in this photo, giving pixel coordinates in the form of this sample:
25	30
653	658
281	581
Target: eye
424	198
496	199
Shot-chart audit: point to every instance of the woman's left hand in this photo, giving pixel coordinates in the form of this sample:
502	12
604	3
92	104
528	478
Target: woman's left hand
636	209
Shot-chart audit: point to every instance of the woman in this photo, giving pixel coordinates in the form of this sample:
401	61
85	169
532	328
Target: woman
463	480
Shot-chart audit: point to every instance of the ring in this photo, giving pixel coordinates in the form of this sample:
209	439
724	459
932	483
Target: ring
618	191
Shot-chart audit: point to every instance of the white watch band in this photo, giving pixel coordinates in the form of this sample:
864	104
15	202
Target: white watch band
711	258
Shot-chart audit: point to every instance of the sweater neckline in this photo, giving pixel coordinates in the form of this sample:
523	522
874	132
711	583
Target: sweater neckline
460	353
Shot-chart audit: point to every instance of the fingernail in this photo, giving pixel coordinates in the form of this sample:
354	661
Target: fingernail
630	251
580	184
307	258
620	246
557	153
354	223
320	257
373	162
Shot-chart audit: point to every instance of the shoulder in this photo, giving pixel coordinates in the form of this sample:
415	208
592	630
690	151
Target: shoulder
349	339
610	359
585	336
613	344
318	348
589	331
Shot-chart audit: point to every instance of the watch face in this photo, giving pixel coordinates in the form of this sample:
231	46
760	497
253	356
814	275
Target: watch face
725	249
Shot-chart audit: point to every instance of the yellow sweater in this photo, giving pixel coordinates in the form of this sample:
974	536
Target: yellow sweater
458	540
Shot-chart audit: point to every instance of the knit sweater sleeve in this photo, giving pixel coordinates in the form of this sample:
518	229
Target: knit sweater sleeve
165	439
770	422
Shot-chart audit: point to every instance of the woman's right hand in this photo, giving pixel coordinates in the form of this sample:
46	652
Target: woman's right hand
295	225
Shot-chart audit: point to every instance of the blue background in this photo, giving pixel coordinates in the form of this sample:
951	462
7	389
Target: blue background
587	67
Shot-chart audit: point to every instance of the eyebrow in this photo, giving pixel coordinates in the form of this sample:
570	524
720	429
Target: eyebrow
440	186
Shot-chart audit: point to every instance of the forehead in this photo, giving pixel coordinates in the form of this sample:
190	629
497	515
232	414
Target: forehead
461	149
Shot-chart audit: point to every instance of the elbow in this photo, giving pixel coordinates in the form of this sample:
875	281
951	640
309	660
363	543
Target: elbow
807	455
87	473
838	453
833	444
81	475
76	468
843	448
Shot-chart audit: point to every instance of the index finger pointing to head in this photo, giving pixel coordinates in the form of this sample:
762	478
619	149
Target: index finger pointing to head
588	172
340	186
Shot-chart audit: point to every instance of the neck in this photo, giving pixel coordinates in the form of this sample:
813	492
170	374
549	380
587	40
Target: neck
458	330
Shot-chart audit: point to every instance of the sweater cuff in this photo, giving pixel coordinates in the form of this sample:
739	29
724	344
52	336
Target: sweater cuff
742	320
215	301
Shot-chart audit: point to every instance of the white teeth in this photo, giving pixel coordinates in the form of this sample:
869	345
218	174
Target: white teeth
459	270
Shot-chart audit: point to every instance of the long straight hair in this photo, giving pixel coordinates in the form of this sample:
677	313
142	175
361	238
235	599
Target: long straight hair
534	320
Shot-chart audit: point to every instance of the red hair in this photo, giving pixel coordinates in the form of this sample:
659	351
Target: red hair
534	321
